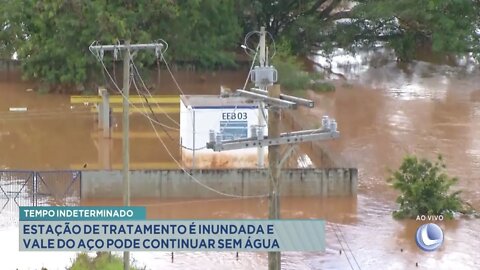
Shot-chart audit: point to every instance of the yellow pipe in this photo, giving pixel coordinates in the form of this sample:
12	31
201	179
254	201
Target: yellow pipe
117	99
143	110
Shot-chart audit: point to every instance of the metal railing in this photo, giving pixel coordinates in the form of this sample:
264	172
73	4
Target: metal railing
34	188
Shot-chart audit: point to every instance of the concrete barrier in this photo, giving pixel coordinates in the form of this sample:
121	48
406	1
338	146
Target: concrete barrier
242	182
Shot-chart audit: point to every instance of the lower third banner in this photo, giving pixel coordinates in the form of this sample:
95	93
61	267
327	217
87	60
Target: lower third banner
122	234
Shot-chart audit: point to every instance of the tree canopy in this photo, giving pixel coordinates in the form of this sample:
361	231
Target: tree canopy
51	38
441	26
425	189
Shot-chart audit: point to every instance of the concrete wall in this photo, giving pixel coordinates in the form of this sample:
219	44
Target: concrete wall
244	182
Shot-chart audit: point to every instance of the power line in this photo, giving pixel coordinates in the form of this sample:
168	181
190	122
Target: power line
194	178
153	113
247	37
198	181
183	93
132	104
176	84
170	71
150	95
150	107
152	121
341	246
348	246
244	86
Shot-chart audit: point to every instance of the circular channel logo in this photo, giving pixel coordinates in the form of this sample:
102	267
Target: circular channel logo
429	237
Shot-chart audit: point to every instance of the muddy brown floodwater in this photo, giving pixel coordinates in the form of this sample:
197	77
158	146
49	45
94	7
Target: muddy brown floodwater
383	113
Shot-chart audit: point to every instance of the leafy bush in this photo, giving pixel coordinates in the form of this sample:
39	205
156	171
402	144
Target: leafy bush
424	189
291	77
291	73
322	87
103	260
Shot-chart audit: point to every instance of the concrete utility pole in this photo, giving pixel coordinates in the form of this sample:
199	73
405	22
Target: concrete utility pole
261	106
125	140
104	112
126	50
276	101
193	144
265	77
274	167
104	146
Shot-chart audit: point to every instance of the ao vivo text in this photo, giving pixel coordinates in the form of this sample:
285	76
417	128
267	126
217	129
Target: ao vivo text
430	217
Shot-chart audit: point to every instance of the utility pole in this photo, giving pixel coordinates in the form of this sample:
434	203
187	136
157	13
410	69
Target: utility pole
126	50
261	107
125	140
274	168
276	101
193	144
273	150
268	93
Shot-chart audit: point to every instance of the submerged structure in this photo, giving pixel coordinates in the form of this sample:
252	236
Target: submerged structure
230	118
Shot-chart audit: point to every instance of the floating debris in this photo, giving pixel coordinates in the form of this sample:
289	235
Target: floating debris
304	161
18	109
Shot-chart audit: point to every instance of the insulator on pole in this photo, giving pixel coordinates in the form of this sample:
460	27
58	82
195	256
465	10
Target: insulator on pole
212	136
333	126
325	122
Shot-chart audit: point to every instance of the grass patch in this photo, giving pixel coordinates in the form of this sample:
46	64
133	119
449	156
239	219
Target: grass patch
103	261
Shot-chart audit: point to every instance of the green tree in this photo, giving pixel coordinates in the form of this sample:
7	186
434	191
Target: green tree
102	260
55	35
52	37
8	33
442	26
439	26
292	74
300	22
424	189
205	33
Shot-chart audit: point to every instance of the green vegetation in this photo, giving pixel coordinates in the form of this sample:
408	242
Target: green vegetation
438	26
425	189
442	26
51	37
292	75
103	261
